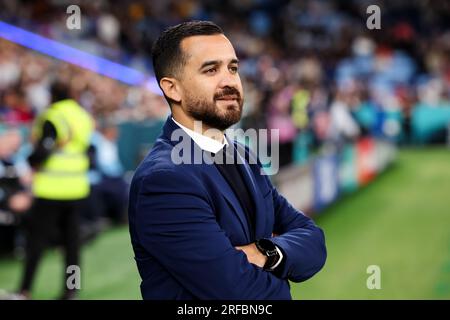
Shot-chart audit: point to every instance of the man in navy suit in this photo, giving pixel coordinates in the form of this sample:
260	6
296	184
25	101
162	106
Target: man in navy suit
211	229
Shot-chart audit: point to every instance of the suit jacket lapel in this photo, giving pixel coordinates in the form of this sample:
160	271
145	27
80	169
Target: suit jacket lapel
260	218
169	127
231	198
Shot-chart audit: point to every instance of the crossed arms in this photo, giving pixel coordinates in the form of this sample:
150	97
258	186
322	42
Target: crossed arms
176	224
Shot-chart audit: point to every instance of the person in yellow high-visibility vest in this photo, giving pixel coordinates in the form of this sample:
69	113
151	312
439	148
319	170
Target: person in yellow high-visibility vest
61	136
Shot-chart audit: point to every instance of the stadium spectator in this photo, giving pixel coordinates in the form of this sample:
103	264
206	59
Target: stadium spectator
60	183
15	198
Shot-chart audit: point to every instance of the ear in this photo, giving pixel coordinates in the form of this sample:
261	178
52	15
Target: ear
171	88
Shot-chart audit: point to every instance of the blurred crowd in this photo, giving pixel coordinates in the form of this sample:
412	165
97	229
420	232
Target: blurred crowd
310	66
311	69
25	78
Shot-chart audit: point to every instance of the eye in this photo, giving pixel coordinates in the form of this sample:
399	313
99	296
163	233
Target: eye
211	70
234	69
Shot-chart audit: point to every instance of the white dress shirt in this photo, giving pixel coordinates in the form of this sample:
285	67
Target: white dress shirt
205	143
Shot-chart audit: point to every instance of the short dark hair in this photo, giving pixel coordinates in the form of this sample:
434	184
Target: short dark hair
167	55
59	91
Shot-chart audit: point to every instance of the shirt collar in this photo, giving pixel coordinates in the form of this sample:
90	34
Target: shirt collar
205	143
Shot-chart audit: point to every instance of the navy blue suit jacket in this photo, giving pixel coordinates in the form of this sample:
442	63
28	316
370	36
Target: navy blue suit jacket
185	222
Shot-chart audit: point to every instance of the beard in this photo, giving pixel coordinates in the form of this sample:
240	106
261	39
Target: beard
210	114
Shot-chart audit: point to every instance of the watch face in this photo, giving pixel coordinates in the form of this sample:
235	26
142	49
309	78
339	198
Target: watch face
271	253
267	245
269	249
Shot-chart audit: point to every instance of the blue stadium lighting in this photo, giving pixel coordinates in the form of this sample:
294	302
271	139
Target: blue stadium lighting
77	57
152	85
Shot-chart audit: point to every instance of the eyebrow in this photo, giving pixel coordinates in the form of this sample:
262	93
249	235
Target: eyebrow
217	62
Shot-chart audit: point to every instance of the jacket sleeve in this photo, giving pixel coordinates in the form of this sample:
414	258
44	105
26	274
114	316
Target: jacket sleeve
300	239
44	147
176	224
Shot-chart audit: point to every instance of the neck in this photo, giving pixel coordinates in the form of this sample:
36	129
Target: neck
196	125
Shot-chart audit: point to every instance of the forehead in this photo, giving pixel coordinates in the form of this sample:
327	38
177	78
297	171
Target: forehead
205	48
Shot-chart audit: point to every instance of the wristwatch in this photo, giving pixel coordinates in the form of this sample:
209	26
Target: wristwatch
268	248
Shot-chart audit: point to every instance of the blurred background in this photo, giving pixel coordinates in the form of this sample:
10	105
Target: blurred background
363	117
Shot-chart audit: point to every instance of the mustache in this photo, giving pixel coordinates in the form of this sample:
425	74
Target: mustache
228	91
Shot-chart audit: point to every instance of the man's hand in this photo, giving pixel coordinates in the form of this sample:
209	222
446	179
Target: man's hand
254	256
20	202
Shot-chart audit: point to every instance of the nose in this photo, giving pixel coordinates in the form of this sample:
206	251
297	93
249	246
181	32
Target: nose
229	79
